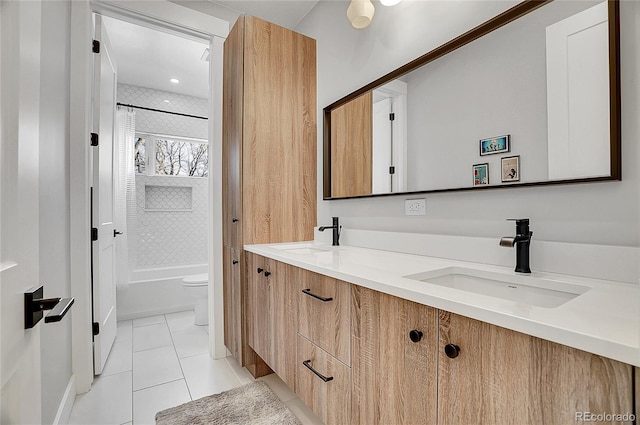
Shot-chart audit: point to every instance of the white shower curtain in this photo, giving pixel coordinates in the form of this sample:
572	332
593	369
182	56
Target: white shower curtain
125	196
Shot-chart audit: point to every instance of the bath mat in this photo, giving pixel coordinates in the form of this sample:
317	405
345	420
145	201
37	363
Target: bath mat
251	404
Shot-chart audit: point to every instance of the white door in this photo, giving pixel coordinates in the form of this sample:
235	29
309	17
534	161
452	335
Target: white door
103	250
19	174
578	95
382	146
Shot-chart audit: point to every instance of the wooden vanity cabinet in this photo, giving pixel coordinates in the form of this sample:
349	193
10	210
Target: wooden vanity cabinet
395	359
506	377
323	383
269	154
273	313
324	313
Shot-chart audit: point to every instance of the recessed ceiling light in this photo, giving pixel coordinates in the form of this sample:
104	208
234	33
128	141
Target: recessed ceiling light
174	80
167	101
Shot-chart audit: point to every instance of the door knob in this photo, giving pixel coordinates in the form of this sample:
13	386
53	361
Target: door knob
234	220
116	233
267	274
234	262
451	350
415	335
34	304
260	270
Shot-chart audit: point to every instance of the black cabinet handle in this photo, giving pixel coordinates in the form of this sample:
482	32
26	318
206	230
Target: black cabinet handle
318	297
451	350
267	274
116	233
415	335
234	262
318	374
260	270
234	220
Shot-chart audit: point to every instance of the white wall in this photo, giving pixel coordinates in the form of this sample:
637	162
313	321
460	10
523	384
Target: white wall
598	213
54	200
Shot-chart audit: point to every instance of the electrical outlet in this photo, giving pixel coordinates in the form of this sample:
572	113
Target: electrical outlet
415	206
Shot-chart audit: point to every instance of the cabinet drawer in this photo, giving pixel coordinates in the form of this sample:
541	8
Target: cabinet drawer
323	383
325	313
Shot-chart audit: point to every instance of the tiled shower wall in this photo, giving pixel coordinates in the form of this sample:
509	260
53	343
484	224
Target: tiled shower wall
171	211
167	124
172	229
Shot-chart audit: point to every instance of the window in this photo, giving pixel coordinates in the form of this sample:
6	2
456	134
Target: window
171	156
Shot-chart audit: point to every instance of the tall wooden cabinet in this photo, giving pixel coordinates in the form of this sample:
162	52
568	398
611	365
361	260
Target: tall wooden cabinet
269	155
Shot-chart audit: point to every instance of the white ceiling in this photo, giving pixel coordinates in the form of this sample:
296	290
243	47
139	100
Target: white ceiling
286	13
149	58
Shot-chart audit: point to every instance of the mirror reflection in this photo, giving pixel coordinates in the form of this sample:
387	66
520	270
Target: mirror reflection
526	103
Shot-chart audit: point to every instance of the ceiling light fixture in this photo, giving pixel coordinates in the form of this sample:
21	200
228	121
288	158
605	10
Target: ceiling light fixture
167	101
174	80
389	2
360	13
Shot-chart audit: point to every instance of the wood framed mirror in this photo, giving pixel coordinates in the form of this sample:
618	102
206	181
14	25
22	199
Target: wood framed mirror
539	82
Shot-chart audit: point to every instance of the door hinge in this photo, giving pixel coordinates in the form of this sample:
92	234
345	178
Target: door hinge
95	48
392	116
94	234
96	328
94	139
392	170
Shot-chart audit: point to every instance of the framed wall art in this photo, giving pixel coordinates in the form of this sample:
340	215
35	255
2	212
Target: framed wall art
481	174
493	145
510	169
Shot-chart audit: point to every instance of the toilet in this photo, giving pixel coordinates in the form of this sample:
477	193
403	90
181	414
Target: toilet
197	286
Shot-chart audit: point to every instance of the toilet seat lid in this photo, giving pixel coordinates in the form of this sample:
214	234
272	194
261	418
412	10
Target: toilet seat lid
196	279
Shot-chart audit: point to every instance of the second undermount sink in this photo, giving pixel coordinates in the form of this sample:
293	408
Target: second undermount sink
301	248
524	289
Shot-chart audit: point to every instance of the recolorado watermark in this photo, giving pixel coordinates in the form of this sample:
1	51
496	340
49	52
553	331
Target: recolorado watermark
604	417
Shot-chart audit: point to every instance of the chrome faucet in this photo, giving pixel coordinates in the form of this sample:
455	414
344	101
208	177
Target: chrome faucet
521	241
336	231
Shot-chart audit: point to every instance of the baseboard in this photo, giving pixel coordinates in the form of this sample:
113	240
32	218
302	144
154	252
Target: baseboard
154	312
66	404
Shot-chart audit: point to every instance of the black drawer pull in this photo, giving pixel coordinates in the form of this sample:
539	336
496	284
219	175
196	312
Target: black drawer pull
260	270
267	274
234	262
311	294
234	220
318	374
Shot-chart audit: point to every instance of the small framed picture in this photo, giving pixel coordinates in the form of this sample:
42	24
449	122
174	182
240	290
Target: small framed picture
511	169
481	175
493	145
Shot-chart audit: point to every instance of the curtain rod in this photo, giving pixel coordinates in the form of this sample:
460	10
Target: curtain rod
160	110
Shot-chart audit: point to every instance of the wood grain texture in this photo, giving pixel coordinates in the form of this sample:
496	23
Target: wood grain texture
232	293
232	118
285	323
326	324
394	380
352	148
331	401
253	289
507	377
279	134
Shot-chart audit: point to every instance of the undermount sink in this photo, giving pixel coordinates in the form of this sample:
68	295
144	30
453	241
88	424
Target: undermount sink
522	289
298	248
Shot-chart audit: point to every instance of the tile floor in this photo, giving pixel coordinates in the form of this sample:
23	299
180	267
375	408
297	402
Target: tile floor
160	362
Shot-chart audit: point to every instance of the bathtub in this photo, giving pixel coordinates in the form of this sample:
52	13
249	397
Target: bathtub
154	291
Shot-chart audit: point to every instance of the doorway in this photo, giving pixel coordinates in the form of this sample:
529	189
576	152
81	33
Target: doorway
169	18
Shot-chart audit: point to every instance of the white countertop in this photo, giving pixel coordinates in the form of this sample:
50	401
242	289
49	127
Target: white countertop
605	320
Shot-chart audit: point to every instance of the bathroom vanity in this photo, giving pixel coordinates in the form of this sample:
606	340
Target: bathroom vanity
366	336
